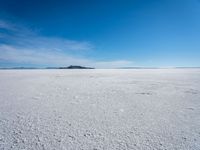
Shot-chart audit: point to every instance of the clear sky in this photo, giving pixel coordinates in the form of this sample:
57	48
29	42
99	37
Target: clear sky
100	33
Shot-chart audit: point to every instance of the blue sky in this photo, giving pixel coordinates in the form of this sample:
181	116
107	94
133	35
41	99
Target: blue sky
100	33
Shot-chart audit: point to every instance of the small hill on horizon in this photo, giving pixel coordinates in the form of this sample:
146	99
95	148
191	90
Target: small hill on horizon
69	67
75	67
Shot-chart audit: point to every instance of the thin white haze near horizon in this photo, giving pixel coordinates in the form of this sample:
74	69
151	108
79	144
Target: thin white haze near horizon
28	47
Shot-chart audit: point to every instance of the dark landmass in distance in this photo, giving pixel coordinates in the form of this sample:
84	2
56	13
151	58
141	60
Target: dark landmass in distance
69	67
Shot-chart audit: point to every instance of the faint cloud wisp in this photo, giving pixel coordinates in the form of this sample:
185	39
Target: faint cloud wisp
21	45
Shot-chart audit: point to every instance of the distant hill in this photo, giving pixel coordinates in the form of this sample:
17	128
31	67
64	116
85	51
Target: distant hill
82	67
75	67
69	67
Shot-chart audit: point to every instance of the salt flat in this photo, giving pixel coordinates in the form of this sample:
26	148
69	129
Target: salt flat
100	109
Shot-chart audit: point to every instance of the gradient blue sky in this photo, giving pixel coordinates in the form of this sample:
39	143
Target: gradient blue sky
100	33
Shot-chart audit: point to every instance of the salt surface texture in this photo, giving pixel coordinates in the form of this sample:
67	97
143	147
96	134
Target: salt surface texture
100	109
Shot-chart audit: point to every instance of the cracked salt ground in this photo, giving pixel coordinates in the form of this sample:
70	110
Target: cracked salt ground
100	109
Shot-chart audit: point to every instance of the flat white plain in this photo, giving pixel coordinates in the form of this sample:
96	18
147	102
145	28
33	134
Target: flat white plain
100	109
